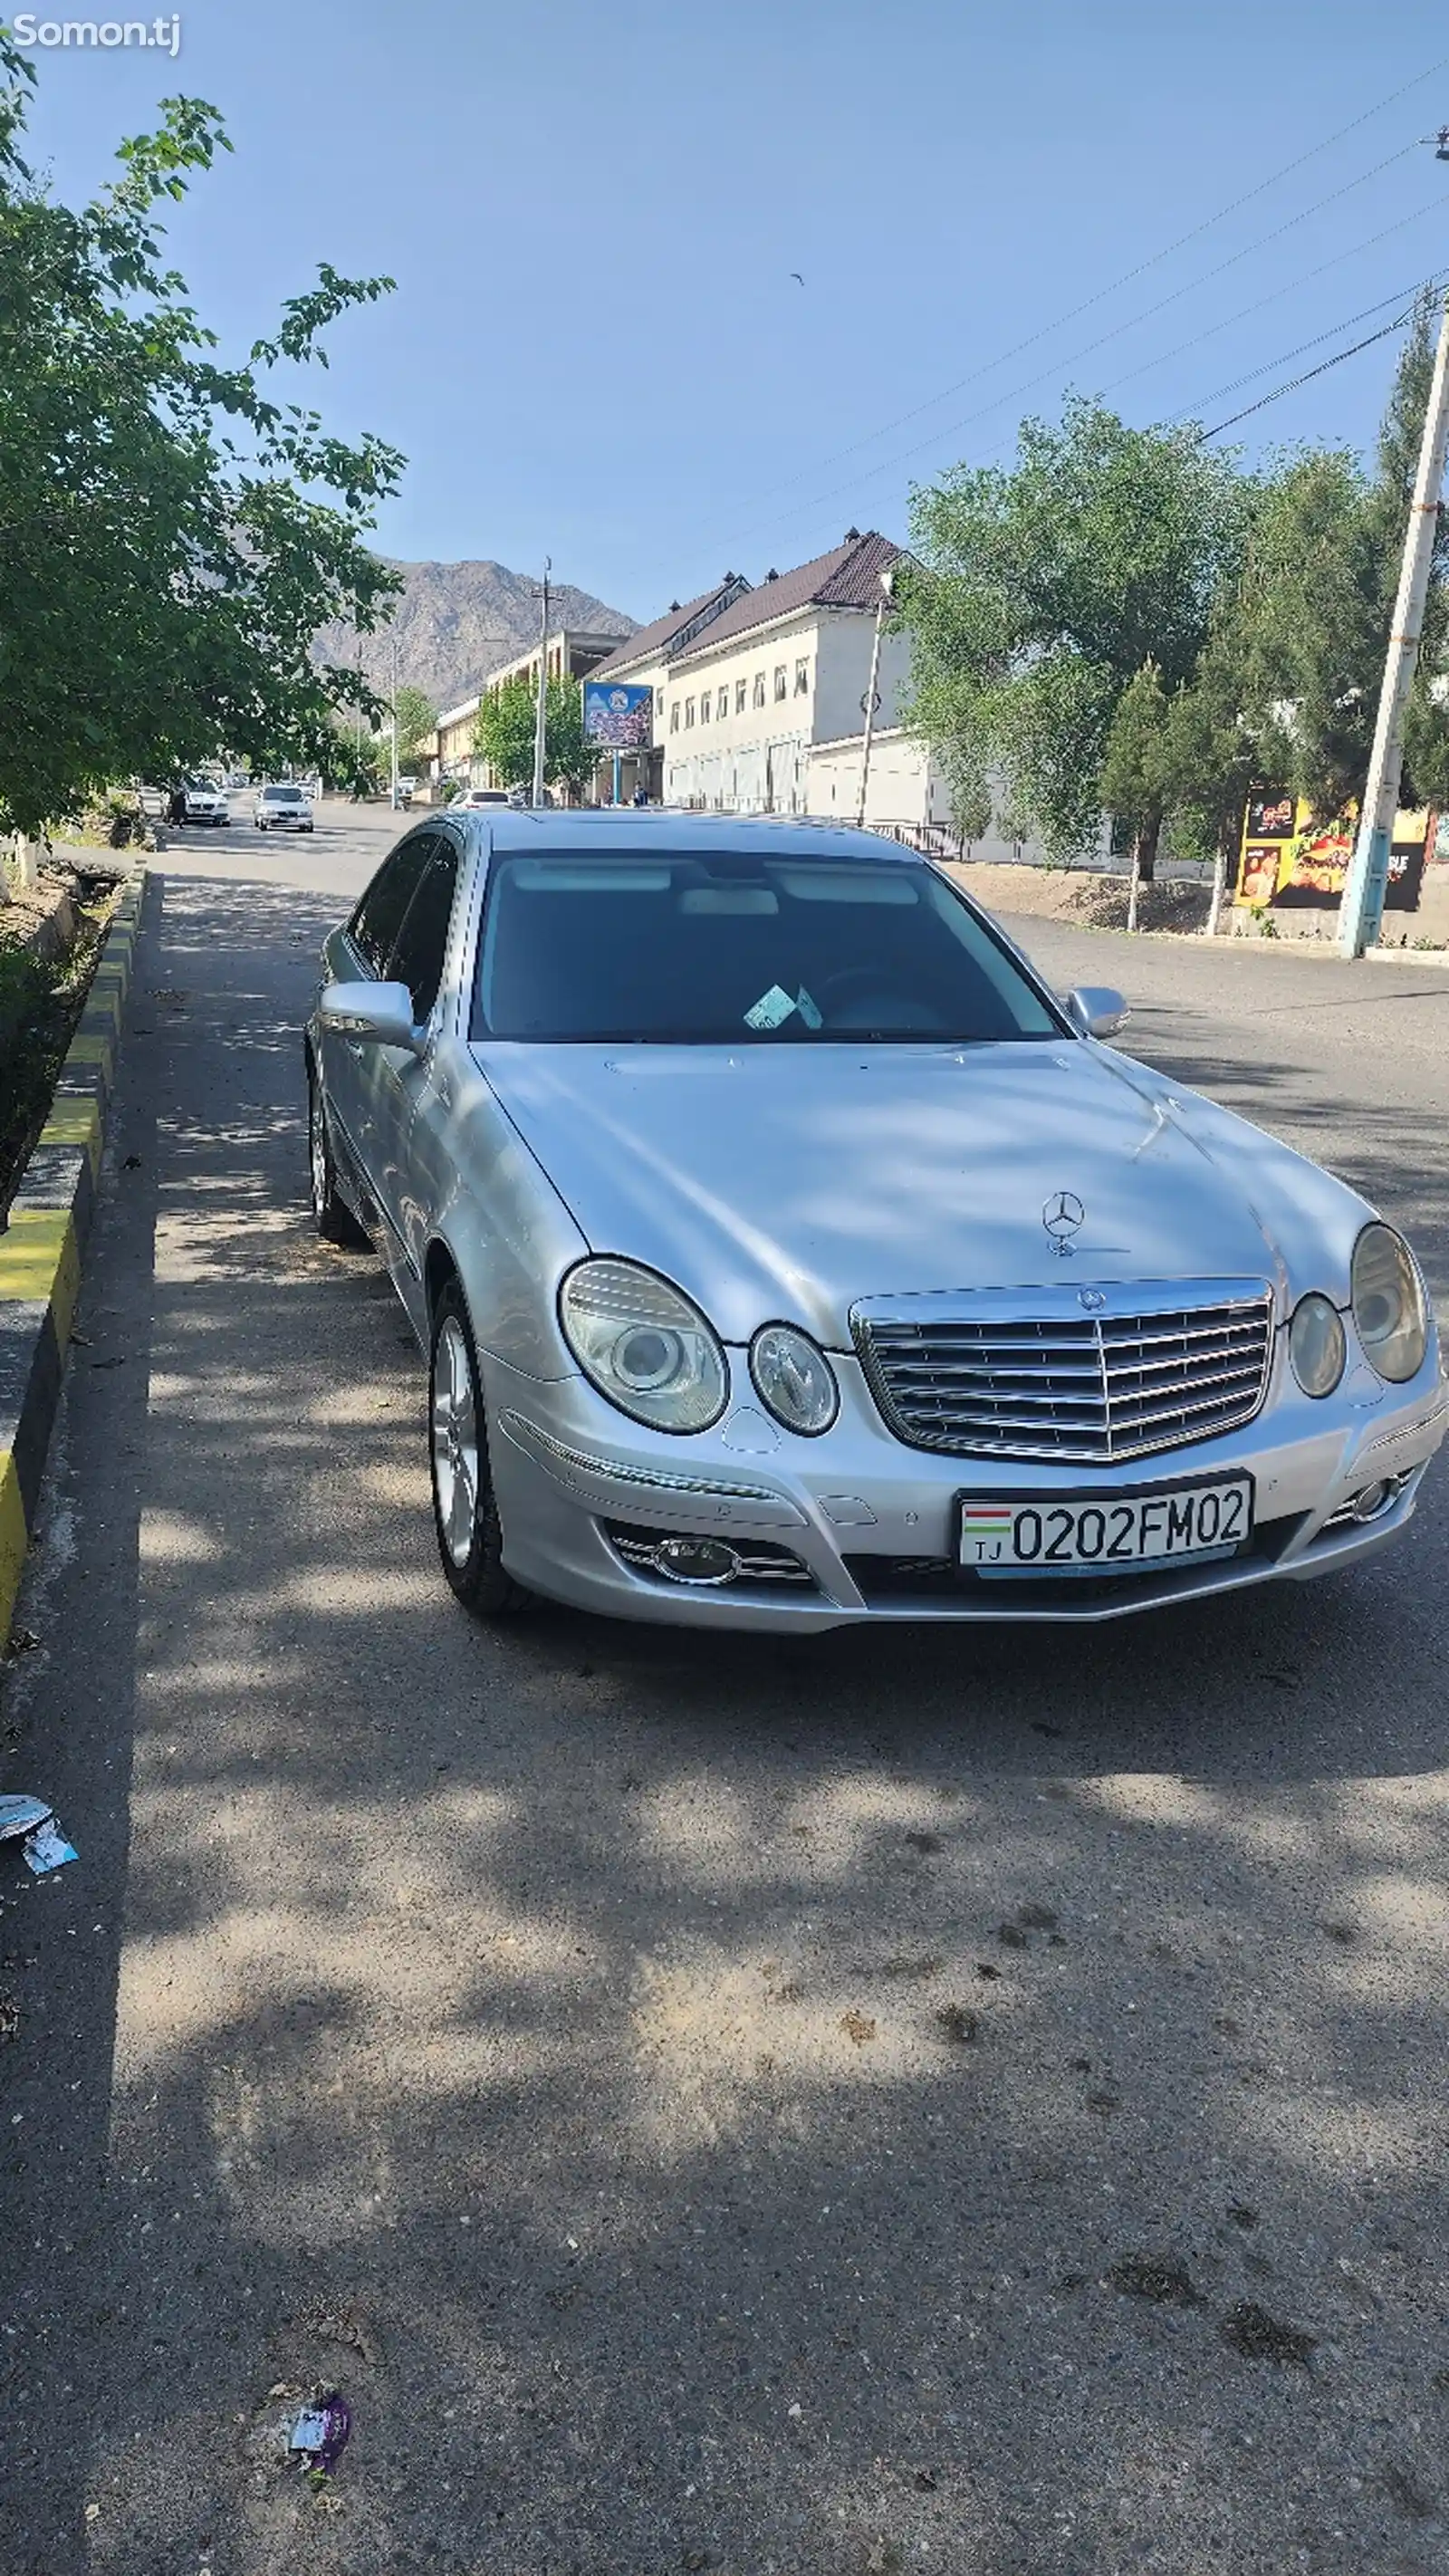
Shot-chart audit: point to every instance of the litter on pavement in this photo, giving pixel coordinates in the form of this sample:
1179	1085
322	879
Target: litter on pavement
22	1815
47	1848
320	2432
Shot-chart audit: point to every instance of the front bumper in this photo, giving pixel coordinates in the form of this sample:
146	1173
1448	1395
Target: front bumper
856	1527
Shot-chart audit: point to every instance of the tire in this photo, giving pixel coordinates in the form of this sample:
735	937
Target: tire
465	1509
331	1215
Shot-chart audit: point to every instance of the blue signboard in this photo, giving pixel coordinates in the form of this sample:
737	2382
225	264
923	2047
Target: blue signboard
617	715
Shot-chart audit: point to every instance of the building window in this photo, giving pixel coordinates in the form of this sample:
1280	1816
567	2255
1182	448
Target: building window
688	713
722	706
659	704
742	690
705	704
780	682
802	678
674	717
759	688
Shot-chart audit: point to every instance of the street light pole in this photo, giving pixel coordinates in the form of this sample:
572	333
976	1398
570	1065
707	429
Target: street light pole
887	585
1363	896
540	713
394	724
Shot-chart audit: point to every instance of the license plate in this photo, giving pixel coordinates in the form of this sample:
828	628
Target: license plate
1077	1534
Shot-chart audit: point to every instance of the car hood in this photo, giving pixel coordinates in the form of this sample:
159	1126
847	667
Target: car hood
786	1182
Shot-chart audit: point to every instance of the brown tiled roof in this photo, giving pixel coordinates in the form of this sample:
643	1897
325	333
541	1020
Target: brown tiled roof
651	641
848	577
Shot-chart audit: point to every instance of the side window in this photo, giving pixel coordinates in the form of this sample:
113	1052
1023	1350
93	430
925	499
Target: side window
379	917
417	956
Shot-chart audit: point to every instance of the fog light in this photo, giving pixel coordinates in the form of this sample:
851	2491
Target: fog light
1373	1499
696	1560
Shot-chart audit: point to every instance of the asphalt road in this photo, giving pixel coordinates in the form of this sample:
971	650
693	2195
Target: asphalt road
829	2107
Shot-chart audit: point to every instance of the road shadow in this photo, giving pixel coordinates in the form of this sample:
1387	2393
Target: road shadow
826	2107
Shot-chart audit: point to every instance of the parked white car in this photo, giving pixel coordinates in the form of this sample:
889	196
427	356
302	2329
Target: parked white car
204	802
475	796
284	808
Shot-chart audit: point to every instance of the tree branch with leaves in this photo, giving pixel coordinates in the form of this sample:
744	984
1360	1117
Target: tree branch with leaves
171	536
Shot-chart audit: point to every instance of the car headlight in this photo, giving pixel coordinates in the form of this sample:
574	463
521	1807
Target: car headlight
1317	1345
1388	1304
794	1379
644	1345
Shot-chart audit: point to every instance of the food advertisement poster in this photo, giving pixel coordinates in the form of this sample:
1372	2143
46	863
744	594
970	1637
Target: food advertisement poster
1288	859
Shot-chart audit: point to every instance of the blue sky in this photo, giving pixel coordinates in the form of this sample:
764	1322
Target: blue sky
597	350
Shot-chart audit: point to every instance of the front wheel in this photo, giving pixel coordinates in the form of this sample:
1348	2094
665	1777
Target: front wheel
465	1509
331	1214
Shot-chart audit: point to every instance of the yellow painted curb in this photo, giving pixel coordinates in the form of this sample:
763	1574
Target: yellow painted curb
40	1250
13	1538
40	1262
75	1122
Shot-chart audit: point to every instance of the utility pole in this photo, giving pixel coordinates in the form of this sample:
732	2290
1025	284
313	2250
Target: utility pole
1363	896
871	700
540	713
394	724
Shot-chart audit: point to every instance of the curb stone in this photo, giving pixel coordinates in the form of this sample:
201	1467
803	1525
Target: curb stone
40	1251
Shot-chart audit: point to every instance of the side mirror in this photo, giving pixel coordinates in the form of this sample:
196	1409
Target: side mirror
1097	1011
371	1015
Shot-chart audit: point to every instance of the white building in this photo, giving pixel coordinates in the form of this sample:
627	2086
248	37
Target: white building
643	661
573	652
765	708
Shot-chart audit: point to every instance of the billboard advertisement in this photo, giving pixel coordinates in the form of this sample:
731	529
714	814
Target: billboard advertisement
1287	859
618	716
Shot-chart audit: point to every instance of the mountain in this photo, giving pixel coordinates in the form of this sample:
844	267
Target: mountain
455	622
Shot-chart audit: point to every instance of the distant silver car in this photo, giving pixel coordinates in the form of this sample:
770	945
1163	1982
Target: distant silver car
788	1255
285	808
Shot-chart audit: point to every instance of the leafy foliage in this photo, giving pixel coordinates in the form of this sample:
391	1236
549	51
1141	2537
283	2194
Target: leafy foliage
1123	622
1043	589
504	731
171	537
416	719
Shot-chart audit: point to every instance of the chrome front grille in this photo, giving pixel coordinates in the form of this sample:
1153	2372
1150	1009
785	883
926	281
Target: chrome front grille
1063	1382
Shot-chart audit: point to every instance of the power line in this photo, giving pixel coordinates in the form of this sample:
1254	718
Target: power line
1424	286
954	428
1274	295
1088	303
1295	381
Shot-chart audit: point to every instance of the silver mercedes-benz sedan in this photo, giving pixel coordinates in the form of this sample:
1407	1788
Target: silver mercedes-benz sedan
788	1254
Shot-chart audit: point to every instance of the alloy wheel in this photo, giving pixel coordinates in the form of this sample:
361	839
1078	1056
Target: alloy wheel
455	1440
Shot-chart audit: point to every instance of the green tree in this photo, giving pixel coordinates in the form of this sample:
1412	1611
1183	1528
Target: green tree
1039	592
171	538
1136	779
416	719
504	731
1301	643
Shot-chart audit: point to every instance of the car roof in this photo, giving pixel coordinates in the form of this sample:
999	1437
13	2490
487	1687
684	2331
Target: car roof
540	829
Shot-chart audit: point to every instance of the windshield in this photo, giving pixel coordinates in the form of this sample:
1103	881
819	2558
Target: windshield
738	948
283	795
